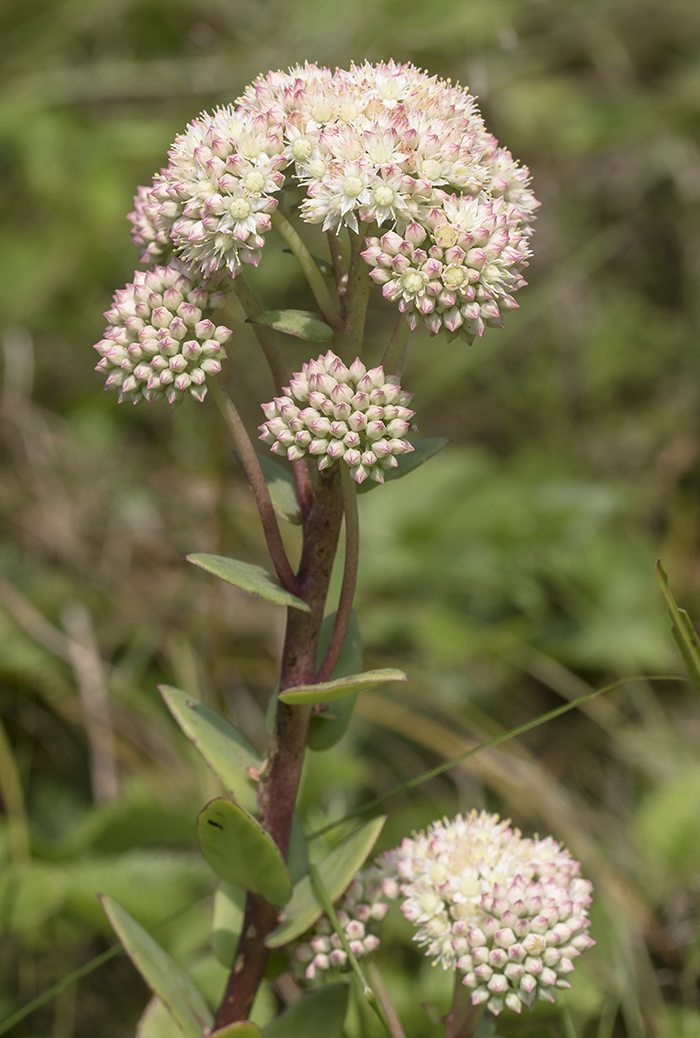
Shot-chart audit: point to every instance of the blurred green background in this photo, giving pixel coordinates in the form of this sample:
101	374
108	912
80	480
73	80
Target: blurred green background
513	572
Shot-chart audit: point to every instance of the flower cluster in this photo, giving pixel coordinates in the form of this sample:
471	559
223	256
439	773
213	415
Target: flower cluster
511	913
333	412
462	277
158	342
508	911
376	145
363	903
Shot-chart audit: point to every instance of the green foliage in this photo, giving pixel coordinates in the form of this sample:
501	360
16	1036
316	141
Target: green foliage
300	323
321	1012
336	872
255	579
227	922
509	574
225	750
241	852
327	691
283	493
170	983
422	451
684	634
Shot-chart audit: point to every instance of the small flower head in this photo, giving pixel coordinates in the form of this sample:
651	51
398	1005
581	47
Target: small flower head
158	342
510	912
337	413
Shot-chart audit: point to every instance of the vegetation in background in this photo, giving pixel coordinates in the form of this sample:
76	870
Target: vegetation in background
512	573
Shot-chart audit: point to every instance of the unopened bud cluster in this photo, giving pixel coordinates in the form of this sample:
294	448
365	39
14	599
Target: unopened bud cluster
158	343
332	412
508	911
363	904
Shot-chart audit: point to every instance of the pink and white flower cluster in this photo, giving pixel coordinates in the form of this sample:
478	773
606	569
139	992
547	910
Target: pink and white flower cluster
363	904
333	412
510	912
158	343
376	145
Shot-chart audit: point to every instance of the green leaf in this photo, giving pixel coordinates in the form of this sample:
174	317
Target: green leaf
320	1013
422	451
164	977
283	493
301	323
327	691
249	577
157	1022
297	859
241	1029
223	747
227	922
327	728
241	852
682	630
336	872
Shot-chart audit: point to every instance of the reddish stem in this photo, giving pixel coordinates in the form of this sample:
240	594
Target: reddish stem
282	771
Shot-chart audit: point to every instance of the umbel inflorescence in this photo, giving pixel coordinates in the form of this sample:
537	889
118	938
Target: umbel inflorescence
333	412
509	912
395	155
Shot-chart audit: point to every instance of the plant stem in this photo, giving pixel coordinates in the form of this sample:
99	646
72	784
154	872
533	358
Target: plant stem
313	275
462	1017
347	590
251	308
280	779
392	361
339	268
251	466
359	286
302	482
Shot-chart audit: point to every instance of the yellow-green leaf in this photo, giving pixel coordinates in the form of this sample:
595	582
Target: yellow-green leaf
336	872
682	629
327	691
165	978
241	852
223	747
255	579
303	324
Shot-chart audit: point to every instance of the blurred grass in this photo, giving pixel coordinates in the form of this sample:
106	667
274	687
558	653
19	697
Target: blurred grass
514	570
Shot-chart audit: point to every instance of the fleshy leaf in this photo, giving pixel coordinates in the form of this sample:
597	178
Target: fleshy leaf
223	747
241	852
336	872
328	727
283	493
422	451
684	634
251	578
164	977
320	1014
327	691
241	1029
227	922
157	1022
303	324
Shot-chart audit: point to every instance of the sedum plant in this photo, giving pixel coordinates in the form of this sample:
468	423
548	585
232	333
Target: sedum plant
417	197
